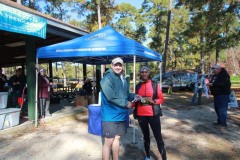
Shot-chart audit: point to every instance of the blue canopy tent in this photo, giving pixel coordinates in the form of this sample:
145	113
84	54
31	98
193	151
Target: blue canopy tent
100	47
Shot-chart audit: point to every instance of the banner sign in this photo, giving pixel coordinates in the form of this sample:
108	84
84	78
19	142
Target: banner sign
15	20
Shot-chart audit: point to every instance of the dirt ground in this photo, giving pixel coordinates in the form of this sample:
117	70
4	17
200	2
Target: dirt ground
188	133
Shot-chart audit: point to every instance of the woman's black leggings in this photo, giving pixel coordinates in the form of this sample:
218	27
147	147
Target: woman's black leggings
155	125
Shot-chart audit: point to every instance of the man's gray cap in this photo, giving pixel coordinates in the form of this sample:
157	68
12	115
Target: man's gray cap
117	60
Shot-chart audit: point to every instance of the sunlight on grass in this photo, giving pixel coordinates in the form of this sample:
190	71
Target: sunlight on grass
182	99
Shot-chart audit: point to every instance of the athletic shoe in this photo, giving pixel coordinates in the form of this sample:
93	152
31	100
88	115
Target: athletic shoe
147	158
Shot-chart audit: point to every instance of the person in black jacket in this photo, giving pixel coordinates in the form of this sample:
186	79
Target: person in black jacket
3	80
220	85
87	87
17	82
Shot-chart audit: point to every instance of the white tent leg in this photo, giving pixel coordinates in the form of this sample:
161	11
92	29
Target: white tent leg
134	84
36	96
160	74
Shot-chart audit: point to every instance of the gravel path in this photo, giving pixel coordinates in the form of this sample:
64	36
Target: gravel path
188	134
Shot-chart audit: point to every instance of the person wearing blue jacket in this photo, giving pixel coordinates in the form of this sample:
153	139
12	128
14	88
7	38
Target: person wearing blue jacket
116	100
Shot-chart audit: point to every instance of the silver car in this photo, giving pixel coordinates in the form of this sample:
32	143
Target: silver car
180	79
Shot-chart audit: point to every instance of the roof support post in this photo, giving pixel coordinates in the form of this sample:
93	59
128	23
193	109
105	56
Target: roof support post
84	72
50	70
98	78
31	76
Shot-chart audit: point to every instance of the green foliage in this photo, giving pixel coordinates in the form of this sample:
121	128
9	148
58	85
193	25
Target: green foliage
198	29
78	24
235	81
215	23
155	12
125	15
73	70
235	78
107	9
130	22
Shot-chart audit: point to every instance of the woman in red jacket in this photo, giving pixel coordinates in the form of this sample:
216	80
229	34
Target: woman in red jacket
44	93
145	113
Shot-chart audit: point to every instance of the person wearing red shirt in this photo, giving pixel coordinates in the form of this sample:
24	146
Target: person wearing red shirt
145	113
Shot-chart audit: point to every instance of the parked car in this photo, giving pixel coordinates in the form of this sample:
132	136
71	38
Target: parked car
182	79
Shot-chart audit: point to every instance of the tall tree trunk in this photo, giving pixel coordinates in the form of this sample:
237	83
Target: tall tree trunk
167	37
31	4
202	54
76	72
234	62
99	16
217	52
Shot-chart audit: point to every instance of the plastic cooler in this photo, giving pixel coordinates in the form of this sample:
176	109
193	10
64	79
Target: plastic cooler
94	119
9	117
3	99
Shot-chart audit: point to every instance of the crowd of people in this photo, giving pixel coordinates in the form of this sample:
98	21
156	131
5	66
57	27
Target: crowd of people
16	86
16	83
116	100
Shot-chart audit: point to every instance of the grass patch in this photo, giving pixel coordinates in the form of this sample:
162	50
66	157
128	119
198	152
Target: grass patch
235	81
235	78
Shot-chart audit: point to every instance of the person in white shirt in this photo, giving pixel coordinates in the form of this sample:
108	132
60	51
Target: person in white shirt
199	85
